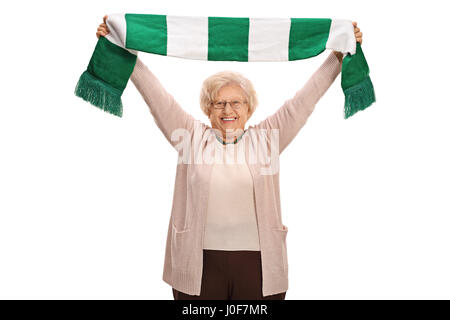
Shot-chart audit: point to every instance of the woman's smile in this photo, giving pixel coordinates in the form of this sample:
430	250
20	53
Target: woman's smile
228	119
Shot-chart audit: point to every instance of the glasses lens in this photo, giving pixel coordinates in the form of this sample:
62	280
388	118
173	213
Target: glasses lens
236	104
219	105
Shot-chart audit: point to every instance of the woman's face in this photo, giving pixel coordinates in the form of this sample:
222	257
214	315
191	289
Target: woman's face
230	119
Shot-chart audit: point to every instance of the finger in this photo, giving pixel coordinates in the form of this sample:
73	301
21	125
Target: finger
354	23
359	34
104	26
104	18
357	30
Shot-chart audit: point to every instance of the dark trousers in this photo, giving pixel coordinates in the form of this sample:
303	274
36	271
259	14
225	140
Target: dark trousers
230	275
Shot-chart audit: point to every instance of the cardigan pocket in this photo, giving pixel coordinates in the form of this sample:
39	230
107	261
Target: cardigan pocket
180	221
179	247
281	233
176	232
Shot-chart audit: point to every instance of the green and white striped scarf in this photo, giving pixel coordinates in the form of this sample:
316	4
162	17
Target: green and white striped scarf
220	39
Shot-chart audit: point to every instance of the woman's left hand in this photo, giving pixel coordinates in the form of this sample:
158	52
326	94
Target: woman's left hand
358	33
358	37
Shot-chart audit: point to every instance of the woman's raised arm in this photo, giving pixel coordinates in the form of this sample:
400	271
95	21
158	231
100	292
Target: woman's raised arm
167	113
292	115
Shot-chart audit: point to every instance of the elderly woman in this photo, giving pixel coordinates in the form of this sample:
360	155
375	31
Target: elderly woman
226	239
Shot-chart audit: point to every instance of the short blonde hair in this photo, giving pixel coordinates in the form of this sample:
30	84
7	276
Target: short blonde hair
214	83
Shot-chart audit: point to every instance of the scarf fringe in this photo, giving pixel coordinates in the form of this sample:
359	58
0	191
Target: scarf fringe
99	93
358	97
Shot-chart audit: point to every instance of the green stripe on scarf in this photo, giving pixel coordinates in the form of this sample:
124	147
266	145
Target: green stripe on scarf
220	39
307	37
228	39
147	32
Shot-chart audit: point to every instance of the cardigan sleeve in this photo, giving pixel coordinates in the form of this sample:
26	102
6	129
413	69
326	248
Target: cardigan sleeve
166	112
292	115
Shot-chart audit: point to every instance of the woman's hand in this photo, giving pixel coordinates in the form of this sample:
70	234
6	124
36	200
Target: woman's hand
358	33
102	29
358	37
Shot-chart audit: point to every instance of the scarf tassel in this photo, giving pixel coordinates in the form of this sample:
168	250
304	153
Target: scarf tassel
100	94
358	97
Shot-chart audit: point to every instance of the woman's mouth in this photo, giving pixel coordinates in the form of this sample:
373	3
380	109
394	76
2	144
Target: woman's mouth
228	119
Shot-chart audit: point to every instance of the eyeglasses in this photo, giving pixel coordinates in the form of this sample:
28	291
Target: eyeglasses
235	104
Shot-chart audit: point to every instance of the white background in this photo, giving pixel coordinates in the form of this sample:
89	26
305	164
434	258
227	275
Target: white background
85	197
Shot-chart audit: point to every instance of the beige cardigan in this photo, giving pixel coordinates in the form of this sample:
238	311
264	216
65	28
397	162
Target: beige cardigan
184	247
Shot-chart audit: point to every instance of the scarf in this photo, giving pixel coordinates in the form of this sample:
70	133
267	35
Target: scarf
220	39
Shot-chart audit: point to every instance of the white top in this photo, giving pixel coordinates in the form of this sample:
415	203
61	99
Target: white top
231	216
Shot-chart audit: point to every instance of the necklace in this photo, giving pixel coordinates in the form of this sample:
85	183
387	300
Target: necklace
235	140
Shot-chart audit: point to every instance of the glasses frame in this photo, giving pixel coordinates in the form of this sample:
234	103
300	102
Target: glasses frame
229	102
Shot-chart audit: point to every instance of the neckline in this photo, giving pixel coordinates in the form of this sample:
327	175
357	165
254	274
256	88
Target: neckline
235	140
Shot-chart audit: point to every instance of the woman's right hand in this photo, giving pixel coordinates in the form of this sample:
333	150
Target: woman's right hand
102	29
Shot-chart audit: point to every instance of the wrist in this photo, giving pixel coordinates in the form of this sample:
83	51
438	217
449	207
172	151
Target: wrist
338	55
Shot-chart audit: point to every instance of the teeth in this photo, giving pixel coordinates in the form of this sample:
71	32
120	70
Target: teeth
227	119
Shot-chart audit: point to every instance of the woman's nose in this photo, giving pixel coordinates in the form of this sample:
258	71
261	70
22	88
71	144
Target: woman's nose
228	107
